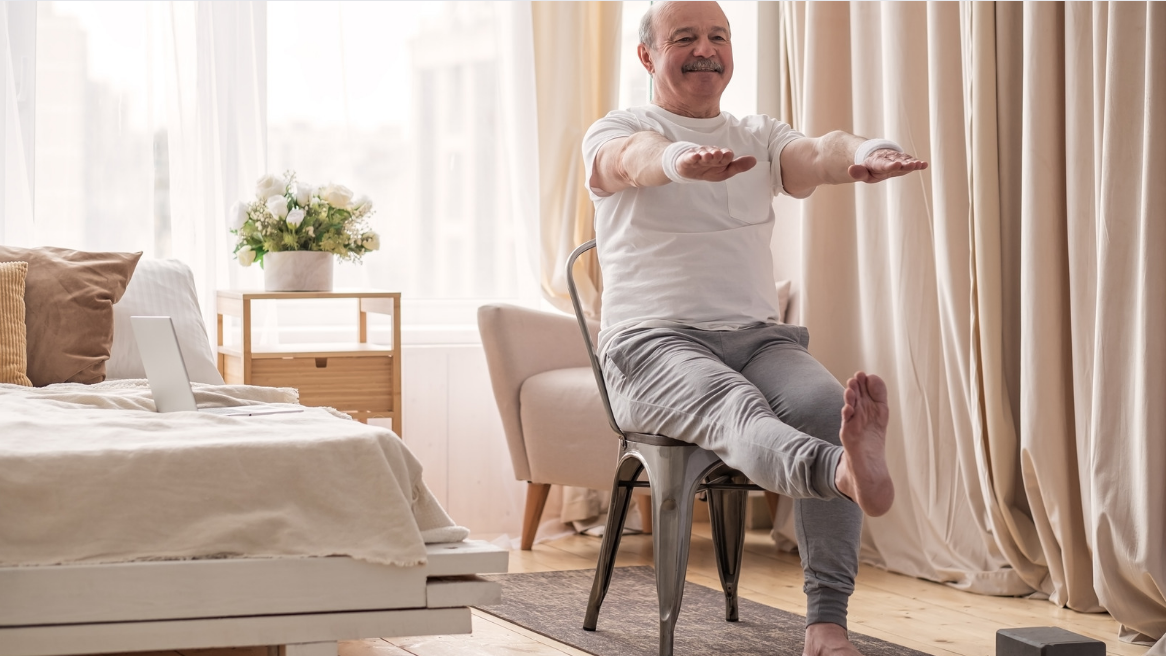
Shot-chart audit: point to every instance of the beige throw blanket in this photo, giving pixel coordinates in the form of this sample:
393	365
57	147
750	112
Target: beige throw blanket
91	474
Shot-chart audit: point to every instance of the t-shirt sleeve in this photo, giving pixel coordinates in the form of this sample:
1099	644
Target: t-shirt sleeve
780	136
618	123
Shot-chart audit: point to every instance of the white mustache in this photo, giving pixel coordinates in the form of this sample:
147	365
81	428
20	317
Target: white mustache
703	65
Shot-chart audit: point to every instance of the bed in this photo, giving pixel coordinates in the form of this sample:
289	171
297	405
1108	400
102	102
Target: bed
122	529
302	605
125	530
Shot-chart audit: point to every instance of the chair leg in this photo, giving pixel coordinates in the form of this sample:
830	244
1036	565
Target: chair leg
727	515
536	500
674	473
617	513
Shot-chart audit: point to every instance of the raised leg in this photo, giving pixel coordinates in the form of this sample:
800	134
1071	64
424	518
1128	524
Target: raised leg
617	513
675	473
806	396
536	500
727	516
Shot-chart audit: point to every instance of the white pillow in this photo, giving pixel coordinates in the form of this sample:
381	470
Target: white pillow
162	288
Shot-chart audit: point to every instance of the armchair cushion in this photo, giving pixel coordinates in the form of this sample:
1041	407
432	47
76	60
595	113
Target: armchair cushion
519	343
568	441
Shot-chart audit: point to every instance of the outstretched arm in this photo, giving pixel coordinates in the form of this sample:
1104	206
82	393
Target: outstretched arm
637	161
829	159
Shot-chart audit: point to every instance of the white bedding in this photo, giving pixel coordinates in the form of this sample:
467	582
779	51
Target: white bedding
91	474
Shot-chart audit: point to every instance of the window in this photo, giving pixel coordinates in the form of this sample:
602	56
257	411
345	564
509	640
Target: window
98	132
399	101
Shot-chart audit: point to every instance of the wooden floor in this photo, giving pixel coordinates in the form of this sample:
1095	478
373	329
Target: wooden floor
926	616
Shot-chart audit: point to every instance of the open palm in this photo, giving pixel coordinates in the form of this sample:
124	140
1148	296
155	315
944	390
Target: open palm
712	164
885	163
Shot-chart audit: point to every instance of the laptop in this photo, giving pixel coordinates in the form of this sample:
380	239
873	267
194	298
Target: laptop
166	371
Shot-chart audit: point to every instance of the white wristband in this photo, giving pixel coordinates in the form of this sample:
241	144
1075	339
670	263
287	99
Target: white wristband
872	145
671	155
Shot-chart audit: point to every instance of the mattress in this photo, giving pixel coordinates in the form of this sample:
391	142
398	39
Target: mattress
91	474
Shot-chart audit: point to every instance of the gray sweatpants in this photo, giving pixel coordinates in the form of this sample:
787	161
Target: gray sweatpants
766	407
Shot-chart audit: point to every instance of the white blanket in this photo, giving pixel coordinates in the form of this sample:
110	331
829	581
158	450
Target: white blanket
91	474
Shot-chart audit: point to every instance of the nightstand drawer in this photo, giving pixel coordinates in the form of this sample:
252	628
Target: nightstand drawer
344	383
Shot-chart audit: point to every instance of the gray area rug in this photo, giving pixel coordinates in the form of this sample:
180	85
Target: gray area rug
553	604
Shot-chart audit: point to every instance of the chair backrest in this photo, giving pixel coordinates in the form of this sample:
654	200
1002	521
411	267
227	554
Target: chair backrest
595	368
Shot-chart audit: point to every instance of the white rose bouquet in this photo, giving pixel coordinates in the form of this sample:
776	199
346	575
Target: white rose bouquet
288	215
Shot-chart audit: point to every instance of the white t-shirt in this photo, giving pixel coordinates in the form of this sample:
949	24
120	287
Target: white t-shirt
694	254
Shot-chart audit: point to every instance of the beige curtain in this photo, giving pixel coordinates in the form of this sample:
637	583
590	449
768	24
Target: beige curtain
1014	295
576	50
576	62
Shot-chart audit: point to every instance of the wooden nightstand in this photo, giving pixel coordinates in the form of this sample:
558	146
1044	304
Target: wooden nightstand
358	378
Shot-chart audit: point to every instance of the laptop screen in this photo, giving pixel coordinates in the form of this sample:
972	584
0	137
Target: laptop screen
162	359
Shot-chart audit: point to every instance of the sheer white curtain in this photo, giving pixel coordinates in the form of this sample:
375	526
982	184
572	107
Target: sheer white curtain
215	75
17	89
146	121
520	133
77	126
96	128
153	118
436	125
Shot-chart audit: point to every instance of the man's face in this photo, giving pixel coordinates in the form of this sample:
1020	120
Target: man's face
691	62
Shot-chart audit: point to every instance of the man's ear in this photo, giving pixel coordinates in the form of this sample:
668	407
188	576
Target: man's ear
646	58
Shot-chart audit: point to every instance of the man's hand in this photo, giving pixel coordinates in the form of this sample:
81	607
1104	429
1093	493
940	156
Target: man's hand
712	164
808	162
635	161
883	164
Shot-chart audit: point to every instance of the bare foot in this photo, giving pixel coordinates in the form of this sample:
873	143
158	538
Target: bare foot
827	639
862	473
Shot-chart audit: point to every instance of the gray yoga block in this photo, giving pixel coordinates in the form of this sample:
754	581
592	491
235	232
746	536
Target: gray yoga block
1046	641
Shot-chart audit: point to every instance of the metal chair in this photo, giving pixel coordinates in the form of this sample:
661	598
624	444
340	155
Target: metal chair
676	472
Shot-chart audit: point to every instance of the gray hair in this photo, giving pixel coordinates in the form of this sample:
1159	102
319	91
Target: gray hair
648	26
647	29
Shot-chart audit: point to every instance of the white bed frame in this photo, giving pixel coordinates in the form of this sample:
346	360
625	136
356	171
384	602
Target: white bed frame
303	605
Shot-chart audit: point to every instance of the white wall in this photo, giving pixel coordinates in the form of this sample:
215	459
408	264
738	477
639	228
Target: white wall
451	424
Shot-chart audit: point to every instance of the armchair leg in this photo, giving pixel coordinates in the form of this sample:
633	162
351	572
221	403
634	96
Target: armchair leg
536	500
644	503
771	501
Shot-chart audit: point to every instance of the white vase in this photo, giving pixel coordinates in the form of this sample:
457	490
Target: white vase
297	271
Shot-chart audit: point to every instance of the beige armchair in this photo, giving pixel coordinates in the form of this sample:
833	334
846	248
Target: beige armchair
555	424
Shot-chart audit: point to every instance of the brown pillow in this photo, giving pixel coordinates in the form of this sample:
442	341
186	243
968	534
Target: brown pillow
13	354
68	301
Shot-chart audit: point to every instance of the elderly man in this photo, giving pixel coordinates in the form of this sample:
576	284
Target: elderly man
692	344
